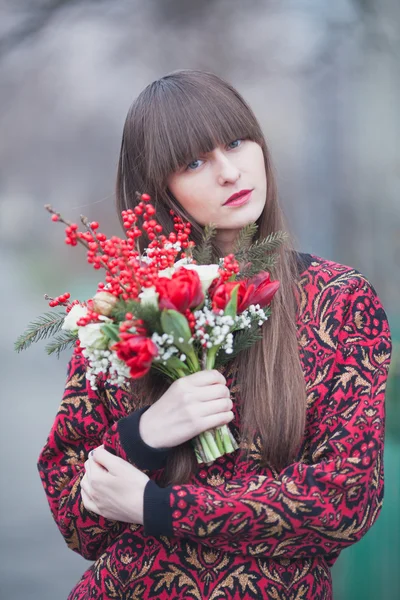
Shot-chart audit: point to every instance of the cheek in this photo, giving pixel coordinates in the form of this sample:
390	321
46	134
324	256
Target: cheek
258	166
193	197
180	190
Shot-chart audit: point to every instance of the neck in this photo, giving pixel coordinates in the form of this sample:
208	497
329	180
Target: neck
225	239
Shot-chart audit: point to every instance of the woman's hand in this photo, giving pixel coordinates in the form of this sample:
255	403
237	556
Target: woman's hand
191	405
113	488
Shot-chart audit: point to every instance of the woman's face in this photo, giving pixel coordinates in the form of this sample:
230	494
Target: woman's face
203	187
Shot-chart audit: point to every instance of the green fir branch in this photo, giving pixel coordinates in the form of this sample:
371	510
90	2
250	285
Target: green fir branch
61	342
122	307
202	254
244	239
149	314
45	326
265	263
268	244
245	338
260	256
125	306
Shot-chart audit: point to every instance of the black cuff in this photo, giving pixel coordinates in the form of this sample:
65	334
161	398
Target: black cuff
157	512
138	452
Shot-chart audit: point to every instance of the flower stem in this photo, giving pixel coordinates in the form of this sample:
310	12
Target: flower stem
234	443
208	453
193	362
210	361
219	440
214	443
227	439
210	438
198	449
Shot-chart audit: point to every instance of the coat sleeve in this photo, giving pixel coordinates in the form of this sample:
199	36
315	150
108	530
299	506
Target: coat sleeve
83	422
316	507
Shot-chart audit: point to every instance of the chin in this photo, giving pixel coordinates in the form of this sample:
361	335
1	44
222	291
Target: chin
250	215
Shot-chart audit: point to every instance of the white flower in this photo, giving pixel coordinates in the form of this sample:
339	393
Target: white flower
170	270
149	296
181	262
206	273
70	322
105	362
166	272
91	336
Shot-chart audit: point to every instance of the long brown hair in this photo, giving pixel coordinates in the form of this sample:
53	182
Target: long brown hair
172	122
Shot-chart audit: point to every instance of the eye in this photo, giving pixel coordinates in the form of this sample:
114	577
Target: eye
194	164
235	143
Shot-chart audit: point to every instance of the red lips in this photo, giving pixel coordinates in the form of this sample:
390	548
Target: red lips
237	195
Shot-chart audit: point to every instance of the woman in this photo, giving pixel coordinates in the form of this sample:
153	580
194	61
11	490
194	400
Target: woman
307	401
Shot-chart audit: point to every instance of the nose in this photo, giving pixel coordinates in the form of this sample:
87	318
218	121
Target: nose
227	171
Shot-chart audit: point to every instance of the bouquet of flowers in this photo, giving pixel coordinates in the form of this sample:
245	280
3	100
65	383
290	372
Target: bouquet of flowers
166	308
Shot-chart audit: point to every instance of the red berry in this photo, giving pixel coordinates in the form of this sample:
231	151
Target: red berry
54	218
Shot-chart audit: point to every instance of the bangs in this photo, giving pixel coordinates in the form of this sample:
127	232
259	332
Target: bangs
184	119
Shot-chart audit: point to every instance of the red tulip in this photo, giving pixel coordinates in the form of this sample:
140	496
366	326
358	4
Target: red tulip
260	290
137	352
256	290
181	292
222	292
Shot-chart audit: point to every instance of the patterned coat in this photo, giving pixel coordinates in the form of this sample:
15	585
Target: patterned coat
238	530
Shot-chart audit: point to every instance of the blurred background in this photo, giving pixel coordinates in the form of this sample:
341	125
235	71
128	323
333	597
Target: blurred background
324	80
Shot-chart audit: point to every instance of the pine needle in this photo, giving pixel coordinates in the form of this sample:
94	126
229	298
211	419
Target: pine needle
122	307
268	244
265	263
203	253
147	313
61	342
244	240
242	339
45	326
150	316
259	256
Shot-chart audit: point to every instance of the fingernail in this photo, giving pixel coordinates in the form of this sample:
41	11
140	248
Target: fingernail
91	453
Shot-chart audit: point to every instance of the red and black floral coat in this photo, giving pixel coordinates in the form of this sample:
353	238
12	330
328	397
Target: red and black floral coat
238	530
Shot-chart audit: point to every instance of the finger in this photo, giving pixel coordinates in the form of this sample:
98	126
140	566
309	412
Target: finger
93	470
87	466
207	377
215	407
88	502
91	453
85	487
96	467
106	459
217	420
95	456
213	392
